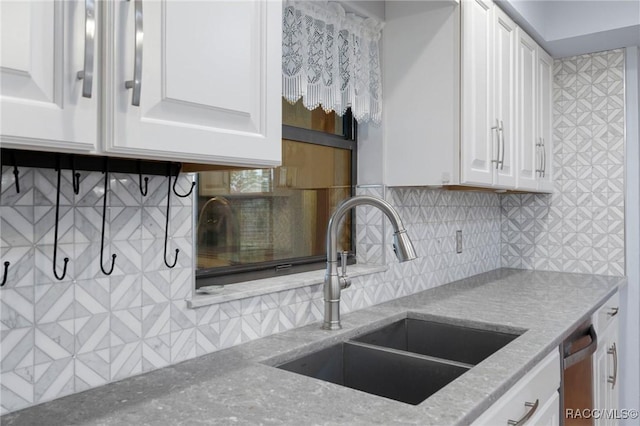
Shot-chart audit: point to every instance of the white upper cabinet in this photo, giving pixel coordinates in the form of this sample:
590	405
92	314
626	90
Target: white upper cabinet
529	149
196	81
479	133
44	46
466	99
488	87
534	94
504	84
205	80
545	119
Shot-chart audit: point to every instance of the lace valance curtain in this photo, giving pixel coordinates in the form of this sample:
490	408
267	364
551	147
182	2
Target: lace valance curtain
331	58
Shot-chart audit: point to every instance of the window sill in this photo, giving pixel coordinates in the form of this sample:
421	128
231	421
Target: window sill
273	285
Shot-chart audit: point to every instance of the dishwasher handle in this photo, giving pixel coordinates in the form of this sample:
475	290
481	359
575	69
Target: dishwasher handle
573	358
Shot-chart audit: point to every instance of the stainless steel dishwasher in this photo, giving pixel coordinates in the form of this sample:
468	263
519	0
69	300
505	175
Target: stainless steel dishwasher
577	379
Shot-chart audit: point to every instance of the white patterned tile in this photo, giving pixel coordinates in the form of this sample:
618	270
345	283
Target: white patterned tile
16	349
126	291
156	320
92	297
16	389
17	307
54	379
92	369
54	341
92	333
54	302
183	345
156	352
182	318
126	326
126	360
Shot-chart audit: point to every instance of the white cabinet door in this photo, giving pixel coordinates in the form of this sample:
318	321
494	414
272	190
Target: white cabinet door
477	138
210	82
544	119
41	102
529	157
606	375
504	77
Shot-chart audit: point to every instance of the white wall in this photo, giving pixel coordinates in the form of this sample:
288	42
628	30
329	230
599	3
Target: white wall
565	19
575	27
630	384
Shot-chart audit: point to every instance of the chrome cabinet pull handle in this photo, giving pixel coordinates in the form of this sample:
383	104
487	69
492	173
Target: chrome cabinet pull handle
501	131
613	312
497	129
544	158
613	351
540	150
86	75
136	83
533	406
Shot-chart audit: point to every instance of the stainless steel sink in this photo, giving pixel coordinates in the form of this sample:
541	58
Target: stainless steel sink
407	361
404	377
448	341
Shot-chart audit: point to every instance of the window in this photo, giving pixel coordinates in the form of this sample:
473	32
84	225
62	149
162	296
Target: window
257	223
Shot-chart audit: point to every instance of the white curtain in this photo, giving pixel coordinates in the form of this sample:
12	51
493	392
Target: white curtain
331	58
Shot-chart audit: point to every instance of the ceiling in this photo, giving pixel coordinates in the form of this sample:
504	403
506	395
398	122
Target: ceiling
574	27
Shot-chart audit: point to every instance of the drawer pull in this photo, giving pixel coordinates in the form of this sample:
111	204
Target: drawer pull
613	379
613	312
533	406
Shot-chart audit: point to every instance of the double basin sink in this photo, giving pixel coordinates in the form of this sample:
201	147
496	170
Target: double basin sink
407	361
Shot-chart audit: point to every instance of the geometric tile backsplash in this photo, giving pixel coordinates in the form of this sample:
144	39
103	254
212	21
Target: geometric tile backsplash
580	227
62	337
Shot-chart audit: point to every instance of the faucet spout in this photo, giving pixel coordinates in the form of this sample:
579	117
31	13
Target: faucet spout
333	282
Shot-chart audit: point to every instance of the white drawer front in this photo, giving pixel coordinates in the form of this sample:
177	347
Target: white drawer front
540	384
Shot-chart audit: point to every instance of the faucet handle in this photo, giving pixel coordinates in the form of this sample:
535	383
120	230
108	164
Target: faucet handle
344	255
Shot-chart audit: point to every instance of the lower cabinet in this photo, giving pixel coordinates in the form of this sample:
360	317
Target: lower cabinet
605	363
534	399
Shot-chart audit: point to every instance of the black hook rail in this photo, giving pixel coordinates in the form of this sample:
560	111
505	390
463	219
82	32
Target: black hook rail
74	162
55	236
104	213
47	160
6	273
193	184
16	172
146	181
75	176
166	226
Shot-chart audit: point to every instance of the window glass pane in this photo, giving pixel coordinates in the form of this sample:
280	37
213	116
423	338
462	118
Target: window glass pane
253	216
297	115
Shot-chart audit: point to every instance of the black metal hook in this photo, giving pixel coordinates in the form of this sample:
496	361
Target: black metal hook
166	226
104	214
55	236
16	172
6	273
75	176
146	181
193	184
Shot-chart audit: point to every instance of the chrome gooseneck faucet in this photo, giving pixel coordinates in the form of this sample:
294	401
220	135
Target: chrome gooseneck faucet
334	282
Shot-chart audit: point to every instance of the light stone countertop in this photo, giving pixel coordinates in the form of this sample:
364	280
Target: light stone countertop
239	385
